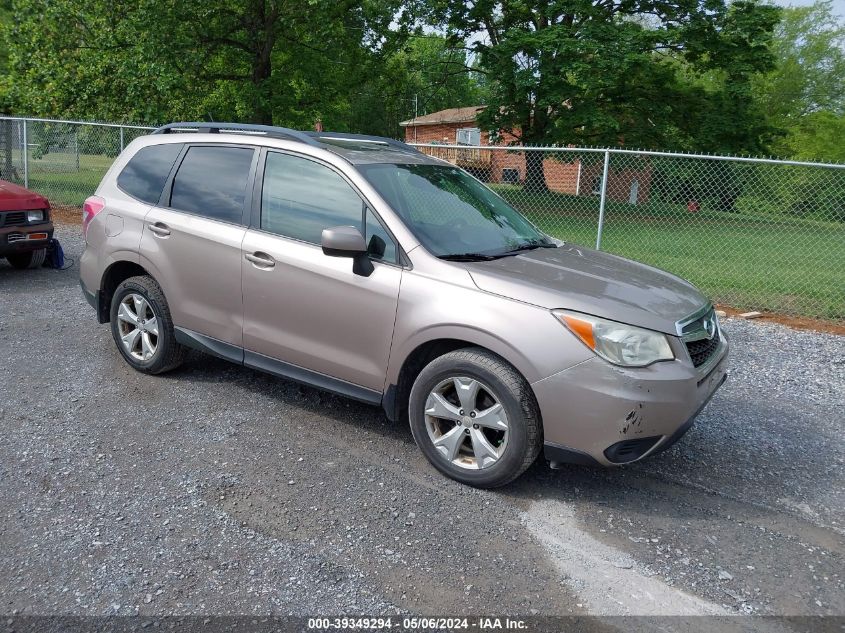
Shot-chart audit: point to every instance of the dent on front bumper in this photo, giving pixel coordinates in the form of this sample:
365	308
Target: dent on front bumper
601	414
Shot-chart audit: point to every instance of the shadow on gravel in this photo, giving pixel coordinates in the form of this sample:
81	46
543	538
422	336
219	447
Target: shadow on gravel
757	469
711	459
209	369
17	281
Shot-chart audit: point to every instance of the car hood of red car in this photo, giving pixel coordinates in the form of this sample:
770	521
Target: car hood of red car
15	198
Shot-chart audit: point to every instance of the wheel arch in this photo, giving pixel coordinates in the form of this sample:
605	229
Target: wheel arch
113	276
424	349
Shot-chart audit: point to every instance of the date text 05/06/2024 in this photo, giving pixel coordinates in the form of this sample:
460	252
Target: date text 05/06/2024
416	623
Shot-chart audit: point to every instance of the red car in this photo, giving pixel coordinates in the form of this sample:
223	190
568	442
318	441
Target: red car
25	226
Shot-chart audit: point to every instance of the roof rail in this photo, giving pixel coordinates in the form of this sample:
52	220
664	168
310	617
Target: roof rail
217	128
366	138
311	138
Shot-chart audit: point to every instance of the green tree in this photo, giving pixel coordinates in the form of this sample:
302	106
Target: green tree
7	168
584	72
816	136
809	72
423	75
804	95
5	84
257	60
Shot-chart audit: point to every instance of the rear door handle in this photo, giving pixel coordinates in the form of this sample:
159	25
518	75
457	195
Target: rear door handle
159	229
260	260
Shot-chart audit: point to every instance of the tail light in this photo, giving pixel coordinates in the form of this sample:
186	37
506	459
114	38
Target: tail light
91	208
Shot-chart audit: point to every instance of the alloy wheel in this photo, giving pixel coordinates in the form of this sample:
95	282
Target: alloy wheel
138	327
466	422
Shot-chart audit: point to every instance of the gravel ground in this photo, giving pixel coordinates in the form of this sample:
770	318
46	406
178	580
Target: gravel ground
219	490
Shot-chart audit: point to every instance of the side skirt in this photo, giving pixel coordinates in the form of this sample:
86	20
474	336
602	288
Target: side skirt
311	378
209	345
254	360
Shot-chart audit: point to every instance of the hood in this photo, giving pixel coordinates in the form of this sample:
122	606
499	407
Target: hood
593	282
15	198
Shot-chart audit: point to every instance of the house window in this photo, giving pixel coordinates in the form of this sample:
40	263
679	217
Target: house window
468	136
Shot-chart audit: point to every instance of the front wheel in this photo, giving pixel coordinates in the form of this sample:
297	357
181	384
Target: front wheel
30	259
475	418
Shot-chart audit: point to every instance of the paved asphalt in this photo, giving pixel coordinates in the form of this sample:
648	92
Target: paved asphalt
219	490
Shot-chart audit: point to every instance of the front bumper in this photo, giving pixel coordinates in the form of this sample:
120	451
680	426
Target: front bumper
600	414
21	239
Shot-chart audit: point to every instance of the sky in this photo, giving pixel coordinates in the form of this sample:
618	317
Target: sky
838	5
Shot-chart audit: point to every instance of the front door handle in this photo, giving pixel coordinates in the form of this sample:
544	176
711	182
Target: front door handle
159	229
260	260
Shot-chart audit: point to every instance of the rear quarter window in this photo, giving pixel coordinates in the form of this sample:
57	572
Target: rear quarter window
146	172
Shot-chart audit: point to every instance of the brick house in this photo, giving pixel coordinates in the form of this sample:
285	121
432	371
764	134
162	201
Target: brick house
458	126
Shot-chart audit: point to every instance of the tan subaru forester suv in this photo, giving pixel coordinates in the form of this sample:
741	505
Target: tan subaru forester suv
361	266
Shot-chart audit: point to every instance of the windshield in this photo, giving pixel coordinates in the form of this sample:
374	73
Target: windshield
451	213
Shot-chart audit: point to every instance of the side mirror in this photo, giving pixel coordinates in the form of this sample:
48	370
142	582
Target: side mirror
343	241
347	241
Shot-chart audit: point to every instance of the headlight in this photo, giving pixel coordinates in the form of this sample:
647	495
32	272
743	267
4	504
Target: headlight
34	216
616	342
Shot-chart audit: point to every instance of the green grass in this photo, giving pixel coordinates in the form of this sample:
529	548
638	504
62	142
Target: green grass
57	177
780	264
763	261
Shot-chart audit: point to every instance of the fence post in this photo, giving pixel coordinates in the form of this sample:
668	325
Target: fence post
603	197
25	158
121	138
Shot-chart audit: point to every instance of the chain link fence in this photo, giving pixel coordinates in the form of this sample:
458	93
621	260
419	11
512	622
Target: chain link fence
757	234
752	233
63	160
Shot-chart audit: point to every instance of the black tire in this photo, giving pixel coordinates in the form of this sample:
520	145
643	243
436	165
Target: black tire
168	354
525	435
31	259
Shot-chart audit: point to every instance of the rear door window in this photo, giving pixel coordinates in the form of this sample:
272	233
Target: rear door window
212	182
146	172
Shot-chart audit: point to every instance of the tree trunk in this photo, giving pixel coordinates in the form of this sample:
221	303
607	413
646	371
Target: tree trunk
533	133
263	41
535	175
262	109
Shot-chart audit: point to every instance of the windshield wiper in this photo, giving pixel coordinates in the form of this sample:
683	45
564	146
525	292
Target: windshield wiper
530	246
486	257
468	257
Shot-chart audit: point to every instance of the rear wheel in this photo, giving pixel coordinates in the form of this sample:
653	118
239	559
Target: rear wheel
142	327
31	259
475	418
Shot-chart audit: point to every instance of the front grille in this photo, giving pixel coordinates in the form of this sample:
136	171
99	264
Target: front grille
702	350
15	237
13	218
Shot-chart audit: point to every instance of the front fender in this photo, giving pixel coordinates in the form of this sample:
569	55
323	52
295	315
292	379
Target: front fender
527	336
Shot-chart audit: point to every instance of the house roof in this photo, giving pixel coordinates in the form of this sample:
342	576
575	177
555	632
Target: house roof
450	115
